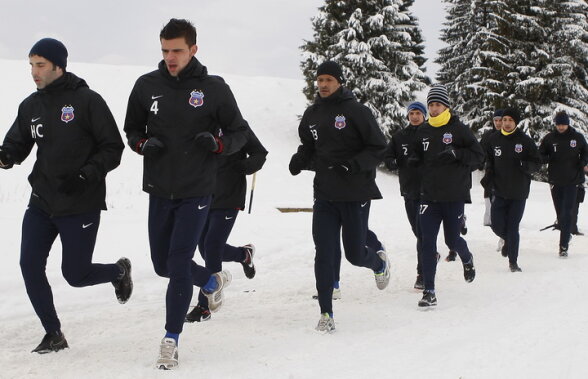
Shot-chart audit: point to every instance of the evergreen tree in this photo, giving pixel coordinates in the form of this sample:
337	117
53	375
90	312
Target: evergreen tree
370	40
472	65
569	42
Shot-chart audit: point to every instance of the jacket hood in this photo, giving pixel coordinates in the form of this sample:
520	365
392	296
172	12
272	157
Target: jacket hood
64	82
193	69
342	94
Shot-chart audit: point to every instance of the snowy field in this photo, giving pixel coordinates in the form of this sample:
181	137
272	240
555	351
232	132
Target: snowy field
503	325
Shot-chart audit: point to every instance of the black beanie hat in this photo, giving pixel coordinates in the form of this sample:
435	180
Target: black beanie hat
438	93
52	50
514	113
498	113
562	118
331	68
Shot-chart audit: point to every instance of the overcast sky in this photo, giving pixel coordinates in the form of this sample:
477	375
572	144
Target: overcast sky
253	37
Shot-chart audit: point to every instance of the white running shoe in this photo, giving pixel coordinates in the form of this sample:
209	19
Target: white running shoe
383	277
168	354
500	244
326	324
215	298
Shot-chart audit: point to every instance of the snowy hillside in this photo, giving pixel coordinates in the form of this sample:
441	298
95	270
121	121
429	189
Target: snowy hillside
503	325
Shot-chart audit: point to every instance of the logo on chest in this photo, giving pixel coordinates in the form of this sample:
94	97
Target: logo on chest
67	114
340	122
497	151
196	99
447	138
518	148
573	143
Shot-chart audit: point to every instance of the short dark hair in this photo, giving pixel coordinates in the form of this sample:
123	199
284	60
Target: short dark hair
178	28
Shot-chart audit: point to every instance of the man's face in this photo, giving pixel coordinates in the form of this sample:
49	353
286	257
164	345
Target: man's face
561	127
508	124
435	108
327	85
415	117
44	72
497	123
177	54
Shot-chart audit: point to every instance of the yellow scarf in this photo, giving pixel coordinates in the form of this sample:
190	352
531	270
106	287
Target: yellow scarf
505	133
440	120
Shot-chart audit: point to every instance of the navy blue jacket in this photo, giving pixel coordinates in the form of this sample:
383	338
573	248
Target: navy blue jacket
566	154
446	182
231	181
511	161
339	129
74	131
175	110
400	148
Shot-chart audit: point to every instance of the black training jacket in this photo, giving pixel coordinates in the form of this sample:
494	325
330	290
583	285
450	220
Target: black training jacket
511	161
175	110
567	154
445	182
401	147
74	130
231	182
339	129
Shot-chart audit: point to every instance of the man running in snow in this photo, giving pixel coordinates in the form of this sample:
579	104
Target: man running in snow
566	153
78	143
511	159
228	200
173	118
447	152
341	137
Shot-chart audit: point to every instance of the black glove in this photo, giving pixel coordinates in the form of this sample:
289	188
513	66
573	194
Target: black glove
448	155
297	164
486	181
6	160
206	141
74	184
343	168
391	164
150	147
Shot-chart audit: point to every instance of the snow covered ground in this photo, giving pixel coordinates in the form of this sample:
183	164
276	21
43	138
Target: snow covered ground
503	325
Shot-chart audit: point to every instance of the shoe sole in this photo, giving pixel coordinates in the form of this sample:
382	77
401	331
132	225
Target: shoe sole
129	268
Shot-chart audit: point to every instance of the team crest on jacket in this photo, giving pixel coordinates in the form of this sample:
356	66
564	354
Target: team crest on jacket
67	114
196	98
573	143
518	148
447	138
340	122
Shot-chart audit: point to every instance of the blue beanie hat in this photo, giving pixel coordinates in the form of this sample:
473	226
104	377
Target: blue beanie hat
498	113
417	105
331	68
438	93
562	118
52	50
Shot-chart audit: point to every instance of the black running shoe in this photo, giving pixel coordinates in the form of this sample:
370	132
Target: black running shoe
420	283
123	286
53	341
464	229
198	314
504	251
429	299
514	267
469	271
248	266
563	252
451	256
